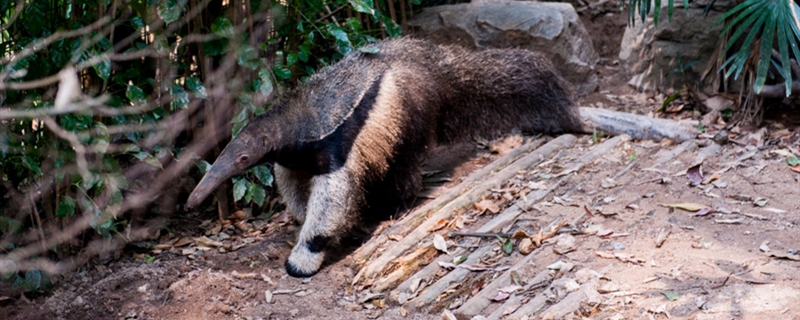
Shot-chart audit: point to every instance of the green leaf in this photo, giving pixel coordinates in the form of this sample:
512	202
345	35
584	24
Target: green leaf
792	161
247	57
148	259
259	194
33	280
303	56
669	100
265	86
342	41
149	159
66	207
196	87
239	189
135	95
222	27
263	174
31	165
204	166
137	22
170	10
281	72
767	41
508	246
291	59
460	259
670	296
35	19
365	6
180	98
103	68
369	49
10	269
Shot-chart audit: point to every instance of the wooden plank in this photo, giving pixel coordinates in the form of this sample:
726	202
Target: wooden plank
477	303
413	219
373	267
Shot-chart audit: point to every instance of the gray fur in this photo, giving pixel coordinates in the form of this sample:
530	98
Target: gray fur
348	141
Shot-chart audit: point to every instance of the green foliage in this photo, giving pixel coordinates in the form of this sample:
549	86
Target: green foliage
769	21
767	24
146	65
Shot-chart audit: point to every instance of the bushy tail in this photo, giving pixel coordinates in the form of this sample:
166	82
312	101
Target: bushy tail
493	91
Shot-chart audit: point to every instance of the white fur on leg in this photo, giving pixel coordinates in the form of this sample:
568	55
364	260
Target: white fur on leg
330	212
302	262
294	187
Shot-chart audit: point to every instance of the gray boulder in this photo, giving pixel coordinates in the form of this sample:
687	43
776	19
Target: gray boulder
553	29
653	56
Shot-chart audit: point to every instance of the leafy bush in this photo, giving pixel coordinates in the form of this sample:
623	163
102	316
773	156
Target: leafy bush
105	106
767	24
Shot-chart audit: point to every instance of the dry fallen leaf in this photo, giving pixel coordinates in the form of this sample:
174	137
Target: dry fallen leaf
500	296
438	226
703	212
205	241
728	221
695	174
439	243
485	205
525	246
687	206
662	235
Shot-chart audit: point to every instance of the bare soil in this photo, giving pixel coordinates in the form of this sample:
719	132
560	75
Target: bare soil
711	266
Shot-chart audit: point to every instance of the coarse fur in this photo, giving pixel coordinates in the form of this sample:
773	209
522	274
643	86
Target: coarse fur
349	141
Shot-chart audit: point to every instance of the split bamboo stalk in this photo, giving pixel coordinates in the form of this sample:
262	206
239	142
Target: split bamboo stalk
374	266
413	219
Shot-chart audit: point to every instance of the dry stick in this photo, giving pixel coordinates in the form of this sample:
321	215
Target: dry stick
412	220
390	4
443	209
477	303
403	16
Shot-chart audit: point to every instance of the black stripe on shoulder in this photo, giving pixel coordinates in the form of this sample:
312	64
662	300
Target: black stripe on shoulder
330	153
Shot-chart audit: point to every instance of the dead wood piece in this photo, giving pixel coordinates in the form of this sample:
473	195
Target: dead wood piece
404	266
638	127
411	285
572	302
413	219
457	275
533	306
705	153
542	279
507	217
478	302
446	209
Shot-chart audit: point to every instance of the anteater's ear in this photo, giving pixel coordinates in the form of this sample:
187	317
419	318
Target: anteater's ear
334	93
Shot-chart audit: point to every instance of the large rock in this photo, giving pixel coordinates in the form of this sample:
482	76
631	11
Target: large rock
650	54
553	29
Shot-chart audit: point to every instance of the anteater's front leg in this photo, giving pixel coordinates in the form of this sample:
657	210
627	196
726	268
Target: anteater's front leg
332	209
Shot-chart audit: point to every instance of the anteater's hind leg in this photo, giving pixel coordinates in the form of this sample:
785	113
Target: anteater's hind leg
295	188
331	211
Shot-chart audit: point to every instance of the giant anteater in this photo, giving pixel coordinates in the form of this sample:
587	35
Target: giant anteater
349	140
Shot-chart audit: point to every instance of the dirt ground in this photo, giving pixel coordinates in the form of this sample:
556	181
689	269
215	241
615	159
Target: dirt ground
733	261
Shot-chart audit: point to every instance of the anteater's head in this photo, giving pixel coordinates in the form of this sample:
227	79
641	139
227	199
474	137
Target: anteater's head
243	152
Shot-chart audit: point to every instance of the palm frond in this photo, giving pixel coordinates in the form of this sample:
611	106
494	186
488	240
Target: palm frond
765	22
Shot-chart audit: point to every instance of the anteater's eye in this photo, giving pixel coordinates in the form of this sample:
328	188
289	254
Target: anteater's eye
244	158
